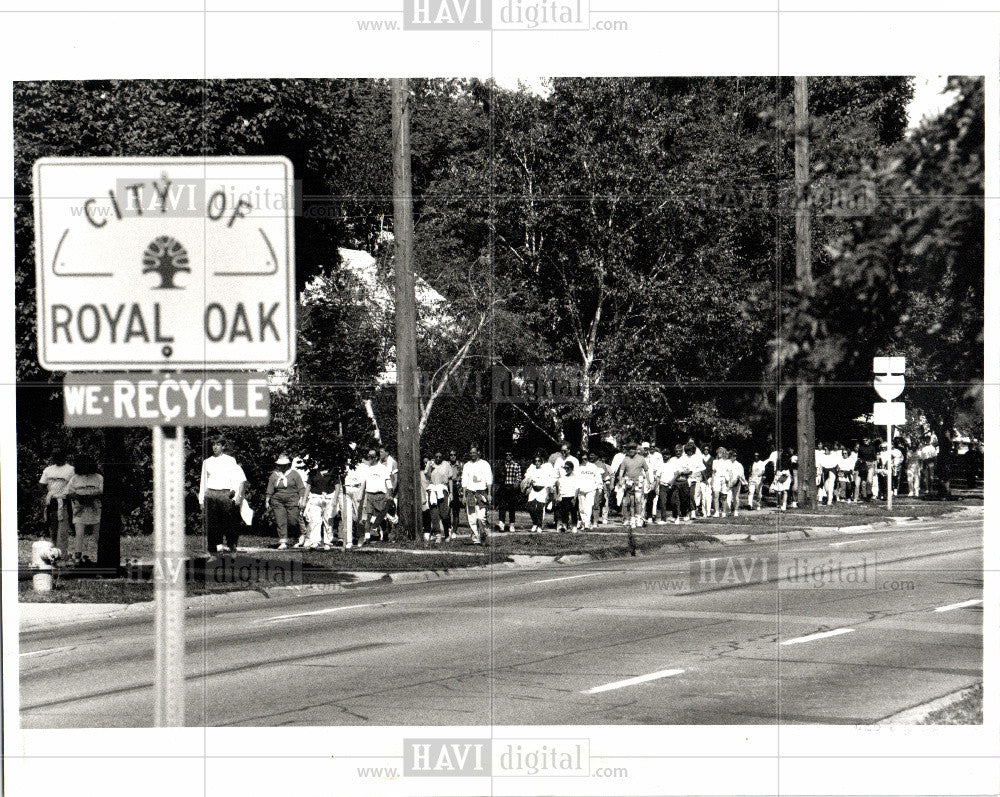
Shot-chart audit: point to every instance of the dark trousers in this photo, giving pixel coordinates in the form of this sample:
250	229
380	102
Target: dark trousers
663	504
220	519
286	516
680	498
456	505
507	501
929	475
537	511
566	512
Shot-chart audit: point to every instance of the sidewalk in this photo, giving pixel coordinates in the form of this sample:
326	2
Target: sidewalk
38	616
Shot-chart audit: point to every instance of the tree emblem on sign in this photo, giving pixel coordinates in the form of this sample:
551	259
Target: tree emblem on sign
167	257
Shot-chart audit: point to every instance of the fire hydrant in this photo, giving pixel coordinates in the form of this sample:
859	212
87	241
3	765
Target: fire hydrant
43	556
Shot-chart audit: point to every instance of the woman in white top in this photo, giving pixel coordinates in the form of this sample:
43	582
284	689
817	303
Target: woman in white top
567	490
756	484
591	479
737	480
720	479
538	483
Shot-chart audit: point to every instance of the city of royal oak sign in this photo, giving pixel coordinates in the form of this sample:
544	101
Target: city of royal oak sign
157	264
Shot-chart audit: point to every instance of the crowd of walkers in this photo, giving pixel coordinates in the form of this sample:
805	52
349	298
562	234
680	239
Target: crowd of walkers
313	506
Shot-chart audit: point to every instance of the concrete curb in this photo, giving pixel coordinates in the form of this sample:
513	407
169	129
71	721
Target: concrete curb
917	714
64	615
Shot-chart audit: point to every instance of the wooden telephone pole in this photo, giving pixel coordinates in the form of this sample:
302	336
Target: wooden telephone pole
806	416
407	400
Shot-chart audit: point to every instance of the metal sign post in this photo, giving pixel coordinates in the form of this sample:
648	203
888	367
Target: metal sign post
889	383
168	575
888	476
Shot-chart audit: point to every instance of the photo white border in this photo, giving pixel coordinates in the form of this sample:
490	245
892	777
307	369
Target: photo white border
910	38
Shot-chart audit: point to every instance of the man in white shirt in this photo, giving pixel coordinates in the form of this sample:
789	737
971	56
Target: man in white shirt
477	480
354	497
591	479
58	511
561	457
220	495
667	476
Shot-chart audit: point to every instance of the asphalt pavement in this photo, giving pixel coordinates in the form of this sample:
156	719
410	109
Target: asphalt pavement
845	629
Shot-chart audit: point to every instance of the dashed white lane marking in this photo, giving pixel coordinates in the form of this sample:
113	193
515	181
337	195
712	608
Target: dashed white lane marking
820	635
846	542
639	679
962	605
321	611
566	578
47	650
941	531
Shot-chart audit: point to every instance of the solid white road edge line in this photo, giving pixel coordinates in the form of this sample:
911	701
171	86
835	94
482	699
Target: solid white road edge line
846	542
962	605
820	635
47	650
321	611
566	578
639	679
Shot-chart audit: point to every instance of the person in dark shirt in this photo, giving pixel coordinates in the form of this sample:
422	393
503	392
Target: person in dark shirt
322	503
286	493
508	490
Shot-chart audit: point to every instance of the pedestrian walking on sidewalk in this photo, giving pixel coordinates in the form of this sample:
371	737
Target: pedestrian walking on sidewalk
285	495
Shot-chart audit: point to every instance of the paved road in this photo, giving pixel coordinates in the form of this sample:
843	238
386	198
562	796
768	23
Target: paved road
835	630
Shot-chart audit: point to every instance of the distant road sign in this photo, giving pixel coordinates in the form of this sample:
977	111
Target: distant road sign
173	263
889	413
889	386
889	365
188	399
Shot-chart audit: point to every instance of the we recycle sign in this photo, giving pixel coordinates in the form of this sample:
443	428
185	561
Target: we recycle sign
164	263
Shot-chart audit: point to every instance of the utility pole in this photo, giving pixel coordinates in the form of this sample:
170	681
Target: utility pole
806	416
407	406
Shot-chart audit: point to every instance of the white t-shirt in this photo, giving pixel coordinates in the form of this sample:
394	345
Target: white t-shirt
378	478
55	478
567	485
477	476
655	462
669	471
616	462
355	478
737	475
220	473
557	461
696	464
591	477
540	477
757	470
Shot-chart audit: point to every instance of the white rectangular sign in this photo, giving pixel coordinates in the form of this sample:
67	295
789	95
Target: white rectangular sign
889	413
164	263
889	365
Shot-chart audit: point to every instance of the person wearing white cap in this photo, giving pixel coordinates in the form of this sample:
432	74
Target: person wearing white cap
285	493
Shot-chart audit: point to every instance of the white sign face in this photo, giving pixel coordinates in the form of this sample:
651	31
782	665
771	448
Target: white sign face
164	263
889	413
889	365
889	386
